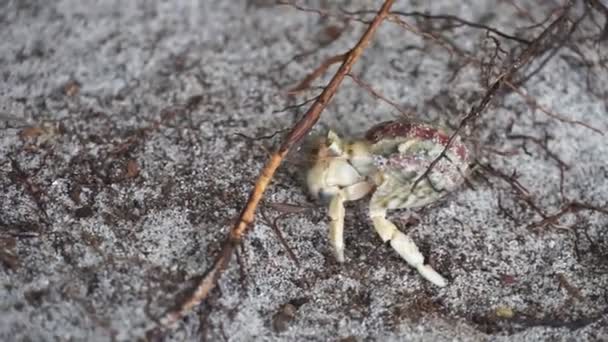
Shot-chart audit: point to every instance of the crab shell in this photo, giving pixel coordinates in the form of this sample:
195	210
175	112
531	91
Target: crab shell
399	130
402	153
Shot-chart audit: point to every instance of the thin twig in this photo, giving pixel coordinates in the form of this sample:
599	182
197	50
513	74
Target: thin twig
521	191
518	63
275	227
296	106
448	17
548	112
572	207
301	128
379	95
463	22
533	49
543	145
424	34
318	72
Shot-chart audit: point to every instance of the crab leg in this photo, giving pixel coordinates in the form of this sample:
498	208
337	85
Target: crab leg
403	244
337	213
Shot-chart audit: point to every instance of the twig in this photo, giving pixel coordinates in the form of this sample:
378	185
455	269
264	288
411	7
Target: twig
379	96
320	70
518	62
296	106
275	227
520	190
548	112
424	34
561	165
31	188
543	145
572	207
463	22
301	128
570	289
448	17
303	9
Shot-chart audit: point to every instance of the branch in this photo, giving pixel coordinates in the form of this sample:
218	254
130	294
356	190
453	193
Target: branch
463	22
378	95
448	17
318	72
502	79
301	128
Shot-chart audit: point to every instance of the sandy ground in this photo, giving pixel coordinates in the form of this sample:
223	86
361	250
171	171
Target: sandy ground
124	158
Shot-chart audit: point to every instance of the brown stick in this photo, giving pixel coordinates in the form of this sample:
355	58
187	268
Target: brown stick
522	59
318	72
301	128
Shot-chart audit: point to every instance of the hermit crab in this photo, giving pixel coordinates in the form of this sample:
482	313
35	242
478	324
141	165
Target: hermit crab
395	163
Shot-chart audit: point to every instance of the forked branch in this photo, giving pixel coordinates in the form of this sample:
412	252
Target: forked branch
501	80
299	130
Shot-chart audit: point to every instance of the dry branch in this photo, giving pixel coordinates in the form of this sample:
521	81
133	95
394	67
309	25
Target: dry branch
318	72
301	128
503	79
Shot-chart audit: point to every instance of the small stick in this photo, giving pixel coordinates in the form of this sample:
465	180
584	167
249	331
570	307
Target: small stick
522	59
548	112
378	95
301	128
320	70
275	227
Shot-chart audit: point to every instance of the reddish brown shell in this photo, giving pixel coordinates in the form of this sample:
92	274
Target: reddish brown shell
395	129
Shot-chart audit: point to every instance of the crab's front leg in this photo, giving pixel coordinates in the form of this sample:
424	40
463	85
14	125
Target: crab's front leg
337	213
402	243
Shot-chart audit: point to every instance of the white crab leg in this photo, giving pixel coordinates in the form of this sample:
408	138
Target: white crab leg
404	245
337	213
